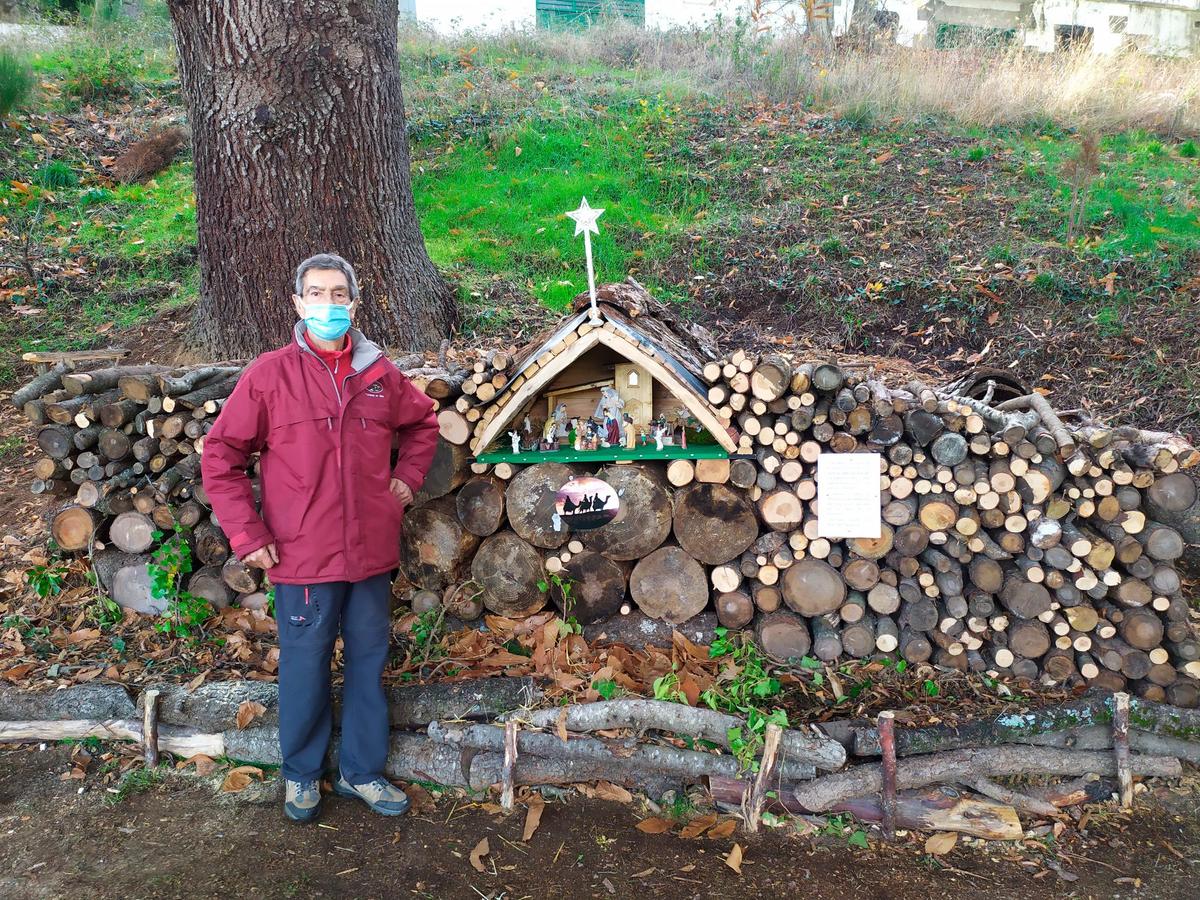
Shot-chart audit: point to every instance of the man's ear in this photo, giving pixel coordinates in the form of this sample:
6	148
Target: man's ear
298	305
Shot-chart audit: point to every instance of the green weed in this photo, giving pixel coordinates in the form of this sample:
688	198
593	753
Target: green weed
56	174
136	781
186	613
1188	150
46	580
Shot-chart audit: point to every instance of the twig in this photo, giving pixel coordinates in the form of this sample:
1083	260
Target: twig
1121	747
886	723
756	796
150	727
510	762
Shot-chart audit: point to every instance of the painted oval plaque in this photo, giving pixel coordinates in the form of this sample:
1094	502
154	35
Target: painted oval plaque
586	502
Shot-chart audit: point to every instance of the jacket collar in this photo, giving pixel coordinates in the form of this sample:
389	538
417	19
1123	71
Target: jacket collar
364	352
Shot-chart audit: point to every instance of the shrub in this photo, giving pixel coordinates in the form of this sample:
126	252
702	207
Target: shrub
16	81
1188	150
99	73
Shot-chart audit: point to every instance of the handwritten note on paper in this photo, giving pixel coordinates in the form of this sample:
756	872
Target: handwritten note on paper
848	495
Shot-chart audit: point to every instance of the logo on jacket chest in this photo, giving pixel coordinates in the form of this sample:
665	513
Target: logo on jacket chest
375	389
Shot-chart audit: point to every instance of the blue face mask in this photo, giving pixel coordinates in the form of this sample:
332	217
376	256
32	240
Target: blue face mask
327	321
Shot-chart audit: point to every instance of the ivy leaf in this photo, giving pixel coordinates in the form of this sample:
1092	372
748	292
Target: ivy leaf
858	839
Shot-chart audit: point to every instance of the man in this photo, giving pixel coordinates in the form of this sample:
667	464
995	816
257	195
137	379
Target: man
322	413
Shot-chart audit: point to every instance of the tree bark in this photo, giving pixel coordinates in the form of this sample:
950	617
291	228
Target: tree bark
968	765
300	152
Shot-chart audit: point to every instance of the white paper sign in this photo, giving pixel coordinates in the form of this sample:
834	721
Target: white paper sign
848	495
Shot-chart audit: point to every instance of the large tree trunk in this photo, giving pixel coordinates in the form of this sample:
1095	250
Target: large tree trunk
298	136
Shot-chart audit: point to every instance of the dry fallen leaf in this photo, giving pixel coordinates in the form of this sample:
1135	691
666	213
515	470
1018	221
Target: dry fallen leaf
698	826
205	765
607	791
533	816
421	800
481	850
248	711
654	825
239	779
734	859
940	843
722	829
562	725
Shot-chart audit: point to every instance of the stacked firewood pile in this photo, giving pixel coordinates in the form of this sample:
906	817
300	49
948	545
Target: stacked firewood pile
122	446
1015	541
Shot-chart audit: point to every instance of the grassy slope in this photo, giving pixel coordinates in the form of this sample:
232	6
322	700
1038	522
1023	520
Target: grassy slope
927	239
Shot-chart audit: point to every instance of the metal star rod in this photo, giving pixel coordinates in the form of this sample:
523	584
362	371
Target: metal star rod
585	223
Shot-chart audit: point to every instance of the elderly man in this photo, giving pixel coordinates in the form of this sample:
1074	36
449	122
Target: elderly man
322	413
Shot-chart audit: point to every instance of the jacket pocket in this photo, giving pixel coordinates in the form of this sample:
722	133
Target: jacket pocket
369	433
295	467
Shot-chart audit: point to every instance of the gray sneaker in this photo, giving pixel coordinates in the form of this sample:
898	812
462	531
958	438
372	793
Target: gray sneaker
302	802
378	793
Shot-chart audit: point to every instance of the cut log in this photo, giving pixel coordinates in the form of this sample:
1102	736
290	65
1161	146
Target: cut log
680	472
644	519
735	609
131	588
669	584
211	545
508	570
99	380
240	577
781	510
209	584
713	522
453	426
782	635
530	500
597	587
45	383
435	547
451	467
812	587
74	527
463	601
480	505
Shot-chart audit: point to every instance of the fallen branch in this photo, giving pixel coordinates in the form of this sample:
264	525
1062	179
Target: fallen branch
613	756
675	718
932	809
1018	801
967	765
1020	727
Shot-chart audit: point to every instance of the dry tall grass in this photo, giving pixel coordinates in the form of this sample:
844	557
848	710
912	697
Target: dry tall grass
981	85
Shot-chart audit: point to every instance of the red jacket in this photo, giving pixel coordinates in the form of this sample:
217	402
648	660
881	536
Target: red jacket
325	461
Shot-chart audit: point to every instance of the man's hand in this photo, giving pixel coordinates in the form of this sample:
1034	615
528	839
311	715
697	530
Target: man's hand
263	557
401	491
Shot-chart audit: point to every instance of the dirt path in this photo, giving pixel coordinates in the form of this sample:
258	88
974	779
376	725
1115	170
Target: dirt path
182	838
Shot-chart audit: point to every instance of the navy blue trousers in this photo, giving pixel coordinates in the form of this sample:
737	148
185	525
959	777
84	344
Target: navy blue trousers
309	619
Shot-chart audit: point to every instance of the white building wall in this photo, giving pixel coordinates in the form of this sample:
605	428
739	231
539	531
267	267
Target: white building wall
666	14
1166	28
456	16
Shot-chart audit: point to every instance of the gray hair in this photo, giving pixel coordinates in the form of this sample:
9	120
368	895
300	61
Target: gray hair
328	261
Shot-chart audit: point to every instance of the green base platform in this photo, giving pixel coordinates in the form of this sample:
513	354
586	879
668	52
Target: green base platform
606	454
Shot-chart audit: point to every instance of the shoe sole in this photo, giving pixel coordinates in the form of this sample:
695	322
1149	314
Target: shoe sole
302	819
343	792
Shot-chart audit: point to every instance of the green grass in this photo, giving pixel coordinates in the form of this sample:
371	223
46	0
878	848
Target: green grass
500	210
1143	202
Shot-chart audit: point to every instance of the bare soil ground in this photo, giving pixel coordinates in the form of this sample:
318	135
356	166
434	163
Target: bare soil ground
183	838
